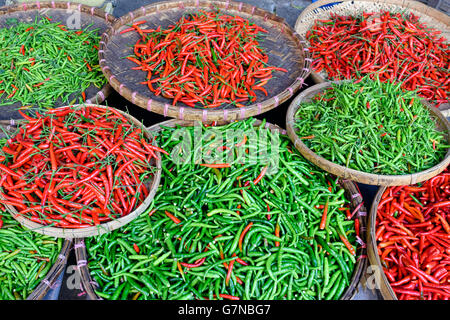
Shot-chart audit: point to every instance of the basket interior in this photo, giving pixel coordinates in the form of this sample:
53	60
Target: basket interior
282	48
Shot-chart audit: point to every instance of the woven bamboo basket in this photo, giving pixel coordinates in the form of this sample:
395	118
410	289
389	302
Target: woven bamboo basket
51	278
151	184
284	47
432	17
87	284
59	11
384	286
363	177
53	274
351	191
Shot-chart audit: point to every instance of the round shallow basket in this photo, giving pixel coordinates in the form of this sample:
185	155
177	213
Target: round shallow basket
91	17
384	286
351	191
151	184
432	17
442	124
283	46
51	279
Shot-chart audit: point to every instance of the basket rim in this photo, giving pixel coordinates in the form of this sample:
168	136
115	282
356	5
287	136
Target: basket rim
407	4
374	258
103	227
356	175
104	92
352	193
52	276
204	114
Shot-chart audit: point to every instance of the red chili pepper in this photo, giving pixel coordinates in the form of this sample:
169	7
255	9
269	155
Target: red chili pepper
172	217
53	159
136	248
87	65
240	261
347	244
8	171
277	234
357	227
216	165
261	175
229	297
241	237
230	269
323	221
14	91
193	265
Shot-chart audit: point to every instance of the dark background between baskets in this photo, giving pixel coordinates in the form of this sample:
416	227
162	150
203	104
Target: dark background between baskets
289	10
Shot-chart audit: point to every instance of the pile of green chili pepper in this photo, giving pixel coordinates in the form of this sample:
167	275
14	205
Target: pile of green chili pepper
25	258
43	62
233	230
371	126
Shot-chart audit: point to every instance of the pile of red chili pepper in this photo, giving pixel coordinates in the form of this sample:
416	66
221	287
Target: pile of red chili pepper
75	167
413	234
206	59
395	46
